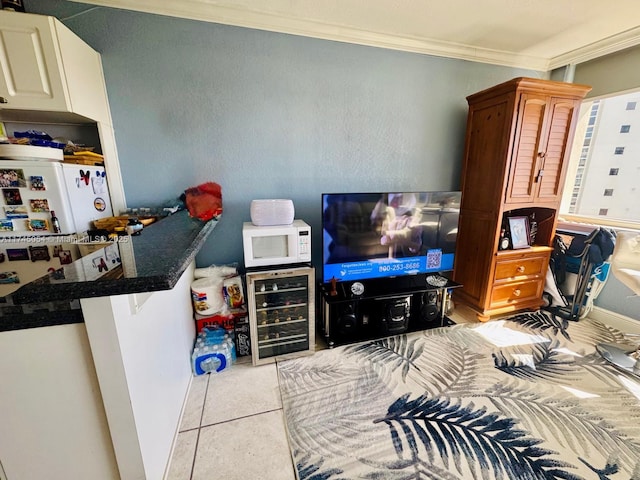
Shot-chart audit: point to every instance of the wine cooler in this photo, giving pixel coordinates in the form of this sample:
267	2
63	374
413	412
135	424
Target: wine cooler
281	313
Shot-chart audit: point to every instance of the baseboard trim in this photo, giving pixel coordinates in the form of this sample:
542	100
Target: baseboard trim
616	320
177	432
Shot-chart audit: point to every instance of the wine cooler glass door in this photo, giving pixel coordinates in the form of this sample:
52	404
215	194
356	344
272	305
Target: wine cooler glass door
281	314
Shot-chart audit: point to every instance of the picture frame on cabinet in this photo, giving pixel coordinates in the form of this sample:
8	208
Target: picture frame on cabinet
519	232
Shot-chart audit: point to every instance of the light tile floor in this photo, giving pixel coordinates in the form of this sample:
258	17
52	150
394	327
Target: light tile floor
233	428
233	425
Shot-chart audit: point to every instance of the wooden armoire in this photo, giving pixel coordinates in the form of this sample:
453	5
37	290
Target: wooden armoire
518	140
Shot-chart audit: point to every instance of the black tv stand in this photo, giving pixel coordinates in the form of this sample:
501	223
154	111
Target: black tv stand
362	310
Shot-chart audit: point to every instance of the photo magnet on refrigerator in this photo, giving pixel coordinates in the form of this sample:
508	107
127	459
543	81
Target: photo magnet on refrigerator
12	196
37	182
19	211
12	177
39	205
99	204
98	184
84	177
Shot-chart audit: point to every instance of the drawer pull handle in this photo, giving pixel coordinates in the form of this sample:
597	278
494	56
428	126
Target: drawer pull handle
520	269
516	292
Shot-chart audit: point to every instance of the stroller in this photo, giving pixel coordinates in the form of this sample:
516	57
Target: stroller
578	272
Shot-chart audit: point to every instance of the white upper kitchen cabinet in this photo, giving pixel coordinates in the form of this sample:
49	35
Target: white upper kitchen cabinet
46	67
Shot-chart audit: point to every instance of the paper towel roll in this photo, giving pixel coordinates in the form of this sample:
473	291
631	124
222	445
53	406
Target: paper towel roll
207	295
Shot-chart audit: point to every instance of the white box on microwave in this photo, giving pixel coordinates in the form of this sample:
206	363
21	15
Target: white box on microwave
274	211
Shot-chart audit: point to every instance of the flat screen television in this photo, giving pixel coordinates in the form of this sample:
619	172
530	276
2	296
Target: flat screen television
375	235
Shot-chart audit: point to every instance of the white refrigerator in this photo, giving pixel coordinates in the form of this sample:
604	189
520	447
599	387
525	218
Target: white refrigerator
31	189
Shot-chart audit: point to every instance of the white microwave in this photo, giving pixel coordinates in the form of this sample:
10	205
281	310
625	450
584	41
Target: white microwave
276	244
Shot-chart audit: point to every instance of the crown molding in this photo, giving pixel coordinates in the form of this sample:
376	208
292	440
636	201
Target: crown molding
609	45
209	11
204	10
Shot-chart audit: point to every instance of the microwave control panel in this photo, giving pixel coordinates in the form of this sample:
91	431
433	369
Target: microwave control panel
304	244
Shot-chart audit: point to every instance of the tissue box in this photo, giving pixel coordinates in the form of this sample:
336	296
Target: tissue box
224	320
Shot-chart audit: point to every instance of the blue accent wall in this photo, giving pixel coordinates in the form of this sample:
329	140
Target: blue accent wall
270	115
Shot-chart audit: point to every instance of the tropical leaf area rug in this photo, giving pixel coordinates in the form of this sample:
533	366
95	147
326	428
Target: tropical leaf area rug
523	398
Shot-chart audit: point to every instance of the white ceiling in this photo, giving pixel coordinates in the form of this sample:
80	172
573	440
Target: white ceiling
536	34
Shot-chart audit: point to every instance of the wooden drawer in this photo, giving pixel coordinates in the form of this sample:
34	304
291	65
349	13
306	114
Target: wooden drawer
513	293
510	269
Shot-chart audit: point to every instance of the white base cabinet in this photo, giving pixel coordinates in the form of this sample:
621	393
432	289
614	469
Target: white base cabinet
54	424
141	345
100	400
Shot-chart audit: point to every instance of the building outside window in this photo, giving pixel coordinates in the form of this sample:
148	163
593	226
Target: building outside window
595	163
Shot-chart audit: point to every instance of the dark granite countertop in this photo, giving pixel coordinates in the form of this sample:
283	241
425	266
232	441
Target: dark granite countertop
152	261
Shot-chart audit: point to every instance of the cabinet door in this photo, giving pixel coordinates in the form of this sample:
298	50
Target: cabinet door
527	148
551	173
31	78
541	144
